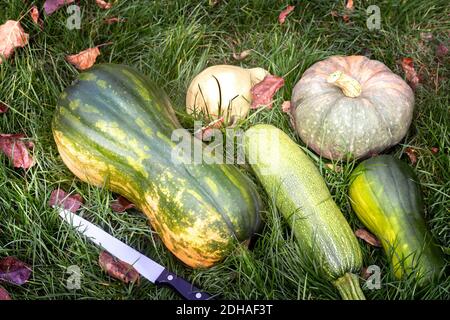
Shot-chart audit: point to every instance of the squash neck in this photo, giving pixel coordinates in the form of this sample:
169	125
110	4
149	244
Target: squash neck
350	86
349	288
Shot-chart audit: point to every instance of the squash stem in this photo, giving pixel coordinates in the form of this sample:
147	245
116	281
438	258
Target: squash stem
350	86
349	288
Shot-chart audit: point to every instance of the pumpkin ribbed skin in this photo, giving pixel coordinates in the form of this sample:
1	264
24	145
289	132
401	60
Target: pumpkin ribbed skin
300	193
113	127
338	126
386	196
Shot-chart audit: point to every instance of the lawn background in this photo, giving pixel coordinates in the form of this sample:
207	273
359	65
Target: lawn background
171	41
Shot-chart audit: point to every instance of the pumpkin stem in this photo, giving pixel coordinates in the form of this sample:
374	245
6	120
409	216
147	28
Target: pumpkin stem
348	286
349	86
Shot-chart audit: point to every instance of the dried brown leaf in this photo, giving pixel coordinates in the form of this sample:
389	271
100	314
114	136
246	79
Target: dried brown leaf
368	237
12	36
51	6
365	274
412	155
103	4
3	107
285	13
17	150
241	56
263	92
349	5
85	59
69	202
348	9
34	13
410	72
121	204
118	269
4	295
114	20
14	271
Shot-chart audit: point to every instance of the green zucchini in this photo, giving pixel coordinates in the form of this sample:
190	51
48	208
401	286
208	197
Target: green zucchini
386	196
303	198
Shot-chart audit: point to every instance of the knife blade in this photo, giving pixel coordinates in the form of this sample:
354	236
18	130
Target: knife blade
148	268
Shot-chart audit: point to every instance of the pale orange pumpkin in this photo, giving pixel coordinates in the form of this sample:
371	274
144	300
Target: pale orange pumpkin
351	107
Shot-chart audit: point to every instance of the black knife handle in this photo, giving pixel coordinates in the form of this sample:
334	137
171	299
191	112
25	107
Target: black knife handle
184	288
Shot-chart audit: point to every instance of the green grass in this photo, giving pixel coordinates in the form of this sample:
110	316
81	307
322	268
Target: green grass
171	41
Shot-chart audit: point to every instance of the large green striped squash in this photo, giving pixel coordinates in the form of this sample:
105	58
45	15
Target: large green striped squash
113	128
386	196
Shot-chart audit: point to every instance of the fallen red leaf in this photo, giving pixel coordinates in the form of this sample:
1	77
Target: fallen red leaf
61	198
285	13
434	150
12	36
34	13
17	150
121	204
349	5
286	106
365	274
412	155
3	107
103	4
441	50
349	8
263	92
368	237
206	132
410	72
241	56
114	20
85	59
4	295
118	269
14	271
51	6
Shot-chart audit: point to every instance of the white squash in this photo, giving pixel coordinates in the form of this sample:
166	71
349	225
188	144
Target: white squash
222	91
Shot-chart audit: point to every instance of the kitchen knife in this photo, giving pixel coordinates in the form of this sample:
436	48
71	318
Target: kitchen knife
148	268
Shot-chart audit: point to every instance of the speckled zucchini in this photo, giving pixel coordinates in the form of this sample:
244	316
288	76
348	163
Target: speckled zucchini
301	195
